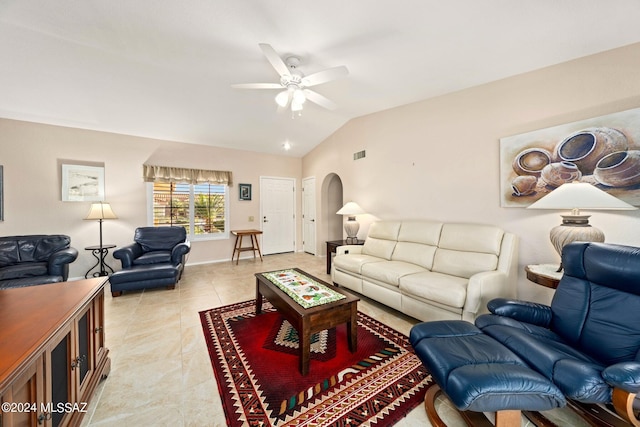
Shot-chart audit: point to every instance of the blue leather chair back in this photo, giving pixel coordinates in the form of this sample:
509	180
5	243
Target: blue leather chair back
159	238
596	307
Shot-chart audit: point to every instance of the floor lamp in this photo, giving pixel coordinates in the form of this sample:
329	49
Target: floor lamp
101	211
575	227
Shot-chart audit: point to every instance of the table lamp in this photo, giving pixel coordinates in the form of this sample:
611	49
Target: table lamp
575	227
352	226
101	211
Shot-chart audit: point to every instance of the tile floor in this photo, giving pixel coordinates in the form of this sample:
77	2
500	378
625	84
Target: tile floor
160	369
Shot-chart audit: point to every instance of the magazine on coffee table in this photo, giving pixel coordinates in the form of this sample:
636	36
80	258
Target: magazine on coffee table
302	289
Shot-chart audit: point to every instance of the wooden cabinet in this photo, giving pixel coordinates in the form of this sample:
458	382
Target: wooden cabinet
27	387
52	352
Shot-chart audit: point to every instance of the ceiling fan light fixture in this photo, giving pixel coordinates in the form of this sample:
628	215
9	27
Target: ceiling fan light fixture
282	99
299	96
295	82
296	106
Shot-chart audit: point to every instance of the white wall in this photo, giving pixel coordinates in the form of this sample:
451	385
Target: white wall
439	158
32	153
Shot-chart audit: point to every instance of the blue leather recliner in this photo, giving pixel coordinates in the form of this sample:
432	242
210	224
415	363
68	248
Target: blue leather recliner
586	343
155	259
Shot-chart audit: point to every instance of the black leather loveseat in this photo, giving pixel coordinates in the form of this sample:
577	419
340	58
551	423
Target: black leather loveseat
35	260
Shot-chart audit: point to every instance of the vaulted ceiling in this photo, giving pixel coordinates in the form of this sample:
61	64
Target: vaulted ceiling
164	69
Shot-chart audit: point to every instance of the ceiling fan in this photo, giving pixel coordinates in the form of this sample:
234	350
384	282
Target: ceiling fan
294	82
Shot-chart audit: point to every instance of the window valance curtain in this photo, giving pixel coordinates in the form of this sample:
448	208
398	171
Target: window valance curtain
184	175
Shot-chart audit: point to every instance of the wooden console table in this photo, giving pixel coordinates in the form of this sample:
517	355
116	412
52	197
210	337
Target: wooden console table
52	352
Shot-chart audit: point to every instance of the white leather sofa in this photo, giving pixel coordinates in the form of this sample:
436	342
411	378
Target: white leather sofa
431	270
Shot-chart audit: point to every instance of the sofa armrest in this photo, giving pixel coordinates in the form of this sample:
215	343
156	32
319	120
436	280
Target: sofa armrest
482	288
58	263
523	311
127	254
179	251
352	249
623	375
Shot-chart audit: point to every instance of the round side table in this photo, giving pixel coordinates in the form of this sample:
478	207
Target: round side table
544	274
100	253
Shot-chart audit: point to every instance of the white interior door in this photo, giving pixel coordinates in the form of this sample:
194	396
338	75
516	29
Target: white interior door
309	215
277	207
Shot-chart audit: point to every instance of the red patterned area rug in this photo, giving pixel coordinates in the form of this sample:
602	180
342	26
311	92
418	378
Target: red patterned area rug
255	361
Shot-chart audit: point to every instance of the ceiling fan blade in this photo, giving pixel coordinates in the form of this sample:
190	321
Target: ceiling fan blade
274	59
325	76
257	86
320	100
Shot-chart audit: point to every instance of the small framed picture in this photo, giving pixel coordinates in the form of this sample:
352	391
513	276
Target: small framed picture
245	191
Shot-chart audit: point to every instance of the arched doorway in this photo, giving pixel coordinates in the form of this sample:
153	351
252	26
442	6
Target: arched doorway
330	203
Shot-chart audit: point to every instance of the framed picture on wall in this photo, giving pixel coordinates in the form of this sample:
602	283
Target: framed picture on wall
245	191
603	151
82	183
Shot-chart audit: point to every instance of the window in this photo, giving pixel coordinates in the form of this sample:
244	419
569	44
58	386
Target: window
200	208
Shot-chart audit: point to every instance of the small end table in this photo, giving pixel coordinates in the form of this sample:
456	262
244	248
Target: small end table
100	253
237	247
544	274
333	244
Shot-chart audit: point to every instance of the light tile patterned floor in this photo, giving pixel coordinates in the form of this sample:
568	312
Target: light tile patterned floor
160	369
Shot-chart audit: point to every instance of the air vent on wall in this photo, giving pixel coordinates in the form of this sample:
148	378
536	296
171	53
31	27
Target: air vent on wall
359	155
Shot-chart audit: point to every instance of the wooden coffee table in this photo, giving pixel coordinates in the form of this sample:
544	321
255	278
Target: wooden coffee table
308	321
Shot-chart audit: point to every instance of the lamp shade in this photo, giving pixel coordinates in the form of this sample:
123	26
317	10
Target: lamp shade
101	210
580	195
351	209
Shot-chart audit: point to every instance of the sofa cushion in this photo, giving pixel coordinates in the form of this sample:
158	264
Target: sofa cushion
26	269
556	360
379	248
414	253
463	264
432	286
29	281
425	232
471	238
387	230
9	252
353	262
467	249
389	272
417	242
381	239
154	257
38	247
